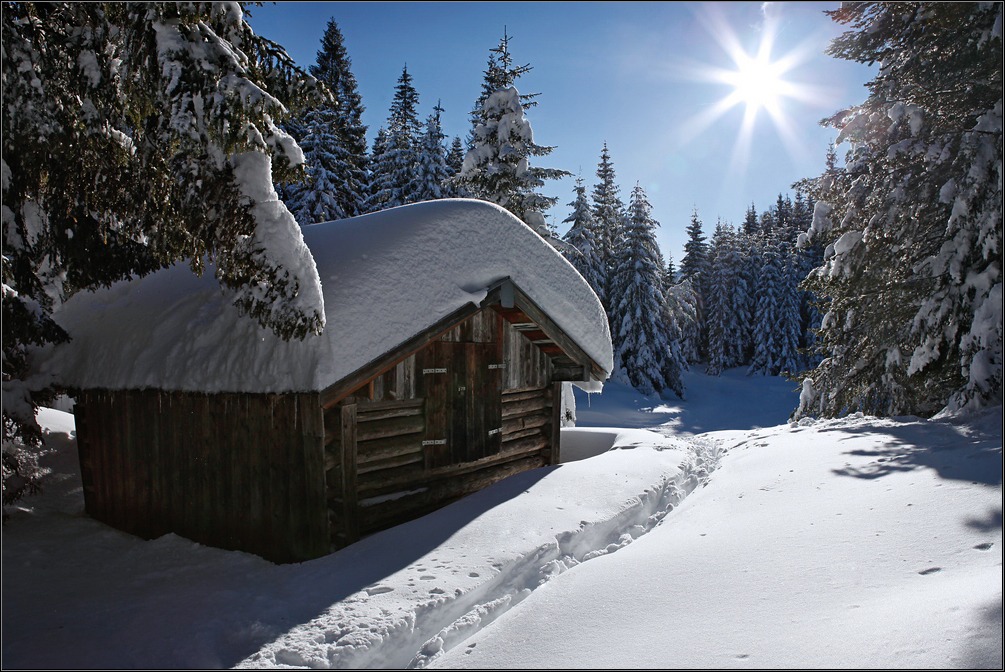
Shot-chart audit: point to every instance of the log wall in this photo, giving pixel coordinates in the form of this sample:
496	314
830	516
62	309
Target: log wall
236	471
379	473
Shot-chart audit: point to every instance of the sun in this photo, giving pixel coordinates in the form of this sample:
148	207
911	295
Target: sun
758	83
756	80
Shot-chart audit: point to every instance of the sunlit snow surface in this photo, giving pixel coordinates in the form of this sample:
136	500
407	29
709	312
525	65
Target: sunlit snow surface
849	543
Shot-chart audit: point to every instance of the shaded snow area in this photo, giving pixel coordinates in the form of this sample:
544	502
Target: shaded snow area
385	276
848	543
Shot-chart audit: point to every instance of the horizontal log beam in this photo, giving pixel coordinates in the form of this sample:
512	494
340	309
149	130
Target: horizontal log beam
381	483
436	495
522	394
368	431
389	463
524	407
381	449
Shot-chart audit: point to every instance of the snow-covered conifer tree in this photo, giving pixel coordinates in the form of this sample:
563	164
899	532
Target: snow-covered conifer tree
393	173
381	170
913	222
115	164
608	211
455	160
789	326
680	321
582	237
316	199
497	166
431	171
750	224
643	355
669	273
726	307
764	332
695	267
348	147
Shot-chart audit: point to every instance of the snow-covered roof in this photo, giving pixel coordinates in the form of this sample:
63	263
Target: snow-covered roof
385	277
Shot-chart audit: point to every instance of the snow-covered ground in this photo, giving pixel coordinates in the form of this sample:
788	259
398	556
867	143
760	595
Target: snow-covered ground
850	543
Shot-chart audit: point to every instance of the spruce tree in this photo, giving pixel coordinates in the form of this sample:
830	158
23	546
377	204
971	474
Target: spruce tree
455	160
750	224
393	173
608	209
695	267
765	335
727	315
113	168
349	172
670	273
643	354
789	326
381	170
431	172
497	166
912	222
582	238
317	198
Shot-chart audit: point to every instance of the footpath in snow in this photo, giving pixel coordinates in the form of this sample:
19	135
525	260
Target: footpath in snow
858	542
852	543
80	594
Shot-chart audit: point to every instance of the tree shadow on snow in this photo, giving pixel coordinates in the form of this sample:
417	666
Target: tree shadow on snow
954	452
983	647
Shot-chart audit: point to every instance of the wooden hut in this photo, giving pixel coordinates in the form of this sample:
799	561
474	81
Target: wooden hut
451	327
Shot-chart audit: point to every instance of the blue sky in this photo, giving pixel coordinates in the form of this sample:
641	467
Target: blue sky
639	76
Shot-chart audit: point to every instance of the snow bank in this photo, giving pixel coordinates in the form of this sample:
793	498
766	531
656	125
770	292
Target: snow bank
385	277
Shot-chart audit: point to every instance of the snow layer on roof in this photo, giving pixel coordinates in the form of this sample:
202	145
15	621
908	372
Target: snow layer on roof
385	277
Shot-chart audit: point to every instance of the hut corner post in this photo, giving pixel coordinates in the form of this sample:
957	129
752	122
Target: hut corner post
555	455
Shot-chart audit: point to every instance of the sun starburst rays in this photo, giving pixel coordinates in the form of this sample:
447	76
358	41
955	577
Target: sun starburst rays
757	80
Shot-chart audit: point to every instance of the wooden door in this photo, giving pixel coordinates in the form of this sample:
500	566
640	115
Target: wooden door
462	387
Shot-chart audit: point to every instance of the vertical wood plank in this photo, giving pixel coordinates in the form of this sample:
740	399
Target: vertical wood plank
457	414
492	396
312	422
154	462
350	503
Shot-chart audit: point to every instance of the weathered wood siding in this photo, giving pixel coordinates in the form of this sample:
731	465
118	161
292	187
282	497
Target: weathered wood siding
467	410
235	471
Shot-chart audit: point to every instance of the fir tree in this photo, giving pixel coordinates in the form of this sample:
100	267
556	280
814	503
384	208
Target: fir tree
727	315
500	73
112	168
767	292
582	238
393	172
608	209
349	172
695	267
317	198
381	170
670	273
789	326
455	160
912	222
643	355
431	171
750	223
497	166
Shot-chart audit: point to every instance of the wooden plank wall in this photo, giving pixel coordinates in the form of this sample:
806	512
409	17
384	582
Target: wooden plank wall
391	484
235	471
